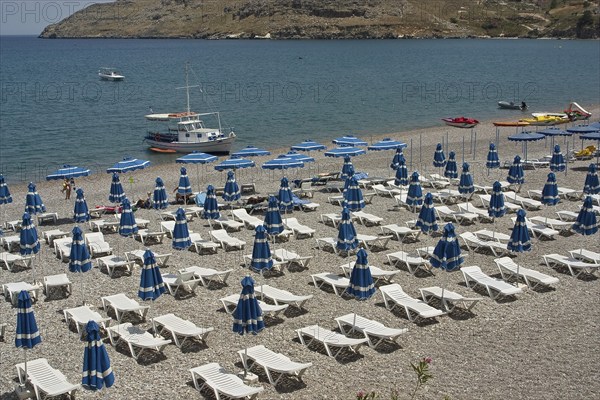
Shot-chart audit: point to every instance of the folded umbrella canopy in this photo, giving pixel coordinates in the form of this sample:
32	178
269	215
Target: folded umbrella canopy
273	222
347	168
67	172
353	195
414	197
80	212
520	240
492	158
550	195
5	196
427	220
446	254
439	159
33	201
211	206
27	334
79	257
346	239
451	170
592	183
28	237
181	233
586	223
285	196
247	316
496	208
361	285
151	282
97	372
185	187
116	190
465	185
261	253
401	176
232	190
516	175
127	225
398	157
159	196
557	163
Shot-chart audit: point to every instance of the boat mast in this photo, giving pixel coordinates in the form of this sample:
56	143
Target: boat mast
187	86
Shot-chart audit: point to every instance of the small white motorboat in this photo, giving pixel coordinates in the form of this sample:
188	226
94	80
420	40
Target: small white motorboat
110	74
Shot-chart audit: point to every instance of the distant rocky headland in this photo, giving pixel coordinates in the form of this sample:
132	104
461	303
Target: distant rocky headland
332	19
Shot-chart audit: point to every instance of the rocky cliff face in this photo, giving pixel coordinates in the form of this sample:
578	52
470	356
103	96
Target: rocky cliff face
330	19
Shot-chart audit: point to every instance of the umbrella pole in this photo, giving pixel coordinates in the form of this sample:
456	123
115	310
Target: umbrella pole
25	356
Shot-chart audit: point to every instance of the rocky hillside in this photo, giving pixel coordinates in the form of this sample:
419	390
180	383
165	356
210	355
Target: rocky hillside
331	19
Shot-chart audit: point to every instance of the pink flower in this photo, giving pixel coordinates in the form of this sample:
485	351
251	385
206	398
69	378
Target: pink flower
360	394
428	360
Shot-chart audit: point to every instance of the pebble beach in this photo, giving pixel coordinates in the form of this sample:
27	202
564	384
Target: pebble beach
539	344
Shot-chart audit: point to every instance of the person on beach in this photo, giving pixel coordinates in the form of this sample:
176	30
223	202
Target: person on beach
141	203
66	188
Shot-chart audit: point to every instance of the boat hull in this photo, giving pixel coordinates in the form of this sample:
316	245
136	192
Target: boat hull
222	146
111	78
508	106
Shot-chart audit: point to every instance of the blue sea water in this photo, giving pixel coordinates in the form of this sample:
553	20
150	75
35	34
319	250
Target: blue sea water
54	109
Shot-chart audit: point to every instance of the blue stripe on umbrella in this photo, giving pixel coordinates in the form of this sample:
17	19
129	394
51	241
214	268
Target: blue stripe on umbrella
232	190
586	223
515	172
346	239
159	196
28	237
251	151
211	205
234	163
5	196
492	158
80	212
196	157
446	254
308	145
345	151
496	208
414	196
181	233
401	177
247	316
127	225
33	201
349	140
297	156
427	219
398	156
361	285
261	253
592	183
79	258
347	168
184	187
557	163
28	334
353	195
151	282
451	170
439	159
387	144
68	171
97	372
465	185
285	196
550	191
273	223
128	164
282	162
519	239
116	190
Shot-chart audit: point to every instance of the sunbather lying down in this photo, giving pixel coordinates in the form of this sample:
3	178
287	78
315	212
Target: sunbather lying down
184	198
256	199
588	151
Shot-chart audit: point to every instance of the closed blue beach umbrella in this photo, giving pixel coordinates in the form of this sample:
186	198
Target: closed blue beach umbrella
211	206
347	168
550	191
117	195
346	239
492	157
159	196
308	145
128	164
386	144
27	335
353	195
414	197
465	185
349	140
79	258
516	175
29	242
592	183
261	253
151	282
273	223
427	220
96	372
345	151
285	196
586	223
447	254
361	285
81	212
439	159
184	188
401	177
247	316
127	225
497	208
451	170
68	172
33	201
5	196
398	156
232	190
181	233
519	239
557	163
251	151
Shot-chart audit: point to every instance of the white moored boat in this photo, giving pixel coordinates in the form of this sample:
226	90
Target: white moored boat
110	74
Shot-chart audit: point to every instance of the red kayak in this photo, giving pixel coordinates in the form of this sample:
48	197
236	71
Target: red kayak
461	122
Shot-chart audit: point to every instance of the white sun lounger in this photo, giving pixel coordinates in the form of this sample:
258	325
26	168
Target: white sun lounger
250	221
538	230
122	304
401	232
376	272
375	332
62	248
413	263
338	283
474	243
47	216
415	309
568	216
102	225
223	383
81	315
97	244
587	255
298	229
179	328
226	223
483	189
552	223
168	227
329	339
291	257
367	219
112	262
425	251
323	243
138	256
230	303
575	266
472	209
226	241
276	265
57	281
486	234
529	204
279	296
140	222
10	241
14	226
510	207
146	236
52	234
136	337
495	287
448	299
509	269
272	363
445	213
11	291
370	241
181	279
334	219
46	381
385	192
207	275
199	244
10	260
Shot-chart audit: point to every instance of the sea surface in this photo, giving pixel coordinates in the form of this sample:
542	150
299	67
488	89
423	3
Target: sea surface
54	110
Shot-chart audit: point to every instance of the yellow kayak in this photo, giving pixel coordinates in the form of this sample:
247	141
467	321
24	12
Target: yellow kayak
543	120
